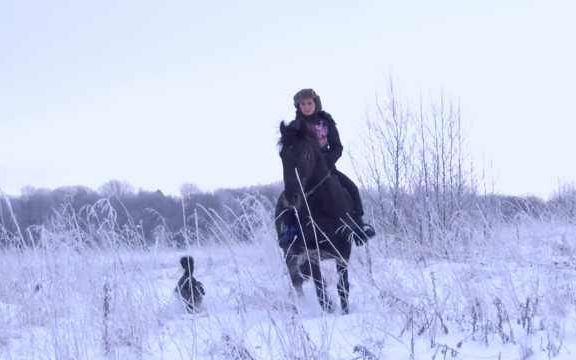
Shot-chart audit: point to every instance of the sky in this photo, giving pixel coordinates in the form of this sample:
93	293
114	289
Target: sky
159	94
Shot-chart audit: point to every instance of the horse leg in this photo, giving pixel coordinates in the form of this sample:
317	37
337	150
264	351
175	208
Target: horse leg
343	284
306	270
294	270
320	285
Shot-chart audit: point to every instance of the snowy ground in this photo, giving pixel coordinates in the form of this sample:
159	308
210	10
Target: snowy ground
510	297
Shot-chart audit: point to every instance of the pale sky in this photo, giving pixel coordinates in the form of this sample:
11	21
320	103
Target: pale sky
164	93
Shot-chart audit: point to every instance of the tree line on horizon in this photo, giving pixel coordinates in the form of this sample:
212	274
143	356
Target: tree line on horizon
150	213
191	217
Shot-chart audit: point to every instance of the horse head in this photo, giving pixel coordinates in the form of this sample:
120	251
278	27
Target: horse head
300	154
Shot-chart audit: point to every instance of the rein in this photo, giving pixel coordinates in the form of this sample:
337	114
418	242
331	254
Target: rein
320	183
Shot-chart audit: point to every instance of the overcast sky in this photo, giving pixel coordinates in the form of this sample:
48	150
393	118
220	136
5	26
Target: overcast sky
164	93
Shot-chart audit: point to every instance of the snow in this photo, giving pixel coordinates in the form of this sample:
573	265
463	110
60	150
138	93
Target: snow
511	297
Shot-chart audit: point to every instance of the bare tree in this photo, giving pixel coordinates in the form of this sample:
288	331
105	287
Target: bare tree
388	157
188	189
415	166
116	188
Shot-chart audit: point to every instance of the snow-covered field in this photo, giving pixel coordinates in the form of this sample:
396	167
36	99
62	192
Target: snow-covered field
512	296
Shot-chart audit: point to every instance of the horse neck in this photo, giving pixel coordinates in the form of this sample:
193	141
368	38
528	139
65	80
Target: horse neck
321	168
319	173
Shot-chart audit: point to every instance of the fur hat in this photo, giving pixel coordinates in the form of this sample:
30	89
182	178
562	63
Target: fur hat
308	94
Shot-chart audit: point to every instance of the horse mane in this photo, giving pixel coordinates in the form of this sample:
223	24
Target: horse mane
294	132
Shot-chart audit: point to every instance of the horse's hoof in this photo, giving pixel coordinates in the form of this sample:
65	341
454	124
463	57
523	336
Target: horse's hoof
345	311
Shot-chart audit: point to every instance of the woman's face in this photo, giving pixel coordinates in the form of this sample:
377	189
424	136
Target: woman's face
307	106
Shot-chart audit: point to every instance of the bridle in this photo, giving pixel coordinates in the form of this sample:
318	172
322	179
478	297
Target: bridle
317	186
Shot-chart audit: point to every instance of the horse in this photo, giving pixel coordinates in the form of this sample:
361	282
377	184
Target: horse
321	205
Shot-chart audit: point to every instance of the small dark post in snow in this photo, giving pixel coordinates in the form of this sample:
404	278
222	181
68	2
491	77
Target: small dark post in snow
106	318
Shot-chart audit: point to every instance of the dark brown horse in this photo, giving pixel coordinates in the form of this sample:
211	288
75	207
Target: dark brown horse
322	206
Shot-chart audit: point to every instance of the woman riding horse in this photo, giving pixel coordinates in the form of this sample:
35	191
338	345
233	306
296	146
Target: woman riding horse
325	215
309	113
